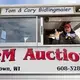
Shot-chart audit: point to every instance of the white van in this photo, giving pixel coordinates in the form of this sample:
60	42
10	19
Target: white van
27	42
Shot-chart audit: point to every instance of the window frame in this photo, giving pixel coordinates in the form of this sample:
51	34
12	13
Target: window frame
57	45
20	44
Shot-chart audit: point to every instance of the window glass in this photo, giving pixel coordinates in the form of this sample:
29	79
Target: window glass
18	30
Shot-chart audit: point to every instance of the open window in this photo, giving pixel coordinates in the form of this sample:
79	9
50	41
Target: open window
56	25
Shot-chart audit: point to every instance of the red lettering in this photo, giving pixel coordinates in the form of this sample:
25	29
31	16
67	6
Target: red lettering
40	55
73	56
48	55
8	54
51	55
65	55
30	54
58	56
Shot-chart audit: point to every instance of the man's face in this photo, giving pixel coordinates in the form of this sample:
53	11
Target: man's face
67	29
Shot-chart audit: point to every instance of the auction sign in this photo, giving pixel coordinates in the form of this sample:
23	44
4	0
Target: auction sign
40	60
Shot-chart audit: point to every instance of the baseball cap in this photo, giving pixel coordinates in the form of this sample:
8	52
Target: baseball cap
67	26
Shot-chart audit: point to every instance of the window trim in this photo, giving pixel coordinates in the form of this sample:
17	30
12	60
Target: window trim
55	45
41	32
20	44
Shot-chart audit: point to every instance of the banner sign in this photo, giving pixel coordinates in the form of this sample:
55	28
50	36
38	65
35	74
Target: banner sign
40	60
37	11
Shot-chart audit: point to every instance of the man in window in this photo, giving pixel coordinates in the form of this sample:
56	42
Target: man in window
68	36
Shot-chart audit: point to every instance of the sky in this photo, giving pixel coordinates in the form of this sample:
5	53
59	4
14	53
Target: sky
7	2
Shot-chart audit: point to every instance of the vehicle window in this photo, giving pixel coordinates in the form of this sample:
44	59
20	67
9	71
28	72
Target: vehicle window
18	30
61	30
